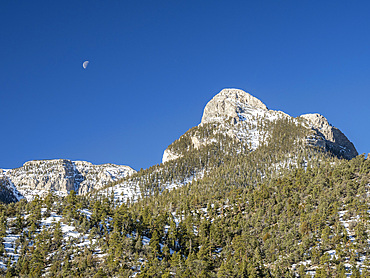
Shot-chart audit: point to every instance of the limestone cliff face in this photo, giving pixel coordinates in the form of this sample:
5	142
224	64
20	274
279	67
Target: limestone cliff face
92	176
40	177
55	175
331	137
229	103
248	115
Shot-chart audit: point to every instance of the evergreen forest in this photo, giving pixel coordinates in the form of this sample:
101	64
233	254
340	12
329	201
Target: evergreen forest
286	209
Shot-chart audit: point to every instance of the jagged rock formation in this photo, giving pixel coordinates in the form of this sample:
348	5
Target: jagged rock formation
62	175
244	117
330	137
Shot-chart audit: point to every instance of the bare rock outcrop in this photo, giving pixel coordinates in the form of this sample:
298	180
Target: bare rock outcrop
330	137
49	175
168	155
92	176
229	103
39	177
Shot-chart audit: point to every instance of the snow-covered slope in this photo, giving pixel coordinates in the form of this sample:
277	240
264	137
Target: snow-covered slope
61	176
129	190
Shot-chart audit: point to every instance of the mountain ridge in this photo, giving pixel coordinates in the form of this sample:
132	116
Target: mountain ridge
244	111
254	196
60	176
236	113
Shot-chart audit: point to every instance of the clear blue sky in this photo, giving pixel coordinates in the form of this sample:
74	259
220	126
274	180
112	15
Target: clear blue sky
155	64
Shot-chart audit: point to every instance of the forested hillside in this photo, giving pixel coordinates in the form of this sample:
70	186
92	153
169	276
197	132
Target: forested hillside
286	209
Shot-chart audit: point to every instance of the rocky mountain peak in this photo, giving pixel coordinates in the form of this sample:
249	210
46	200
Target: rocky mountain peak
335	140
249	117
229	103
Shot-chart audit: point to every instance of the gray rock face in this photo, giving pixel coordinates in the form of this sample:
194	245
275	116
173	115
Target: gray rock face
228	104
330	137
247	113
92	176
39	177
50	175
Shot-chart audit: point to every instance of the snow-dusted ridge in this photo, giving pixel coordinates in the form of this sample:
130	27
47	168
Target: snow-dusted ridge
238	114
39	177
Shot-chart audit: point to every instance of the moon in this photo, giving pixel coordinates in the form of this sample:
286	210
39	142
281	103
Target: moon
84	64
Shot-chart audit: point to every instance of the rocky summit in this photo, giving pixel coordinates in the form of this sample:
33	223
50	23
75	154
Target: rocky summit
230	103
243	116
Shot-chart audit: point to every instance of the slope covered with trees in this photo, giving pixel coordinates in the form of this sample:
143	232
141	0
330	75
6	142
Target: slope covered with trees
286	209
